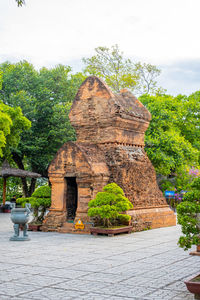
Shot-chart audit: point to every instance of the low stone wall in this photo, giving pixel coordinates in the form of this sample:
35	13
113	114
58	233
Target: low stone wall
152	217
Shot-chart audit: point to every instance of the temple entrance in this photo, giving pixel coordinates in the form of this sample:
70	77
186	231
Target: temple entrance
72	196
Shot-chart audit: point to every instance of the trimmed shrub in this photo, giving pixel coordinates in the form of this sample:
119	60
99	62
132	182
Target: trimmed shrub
39	200
108	206
189	216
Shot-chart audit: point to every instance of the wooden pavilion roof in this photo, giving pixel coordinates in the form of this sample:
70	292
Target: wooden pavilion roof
7	171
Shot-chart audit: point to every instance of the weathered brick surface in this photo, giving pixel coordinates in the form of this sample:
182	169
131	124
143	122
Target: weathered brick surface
54	221
149	218
130	167
109	148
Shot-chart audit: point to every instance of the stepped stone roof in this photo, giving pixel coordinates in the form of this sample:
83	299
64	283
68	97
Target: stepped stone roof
131	106
100	116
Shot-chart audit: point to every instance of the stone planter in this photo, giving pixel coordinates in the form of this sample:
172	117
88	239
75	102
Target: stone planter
5	208
20	217
110	231
193	286
197	252
34	227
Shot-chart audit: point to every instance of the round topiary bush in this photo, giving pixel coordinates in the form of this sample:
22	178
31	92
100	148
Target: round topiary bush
108	206
188	213
39	200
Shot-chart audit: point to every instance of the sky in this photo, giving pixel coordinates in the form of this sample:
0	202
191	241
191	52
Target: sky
160	32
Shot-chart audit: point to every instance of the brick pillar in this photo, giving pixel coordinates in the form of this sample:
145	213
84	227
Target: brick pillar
58	193
84	196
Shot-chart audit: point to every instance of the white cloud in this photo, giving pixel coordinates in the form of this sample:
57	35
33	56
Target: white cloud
48	32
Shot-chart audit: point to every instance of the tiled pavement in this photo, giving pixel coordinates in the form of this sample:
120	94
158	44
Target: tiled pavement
141	266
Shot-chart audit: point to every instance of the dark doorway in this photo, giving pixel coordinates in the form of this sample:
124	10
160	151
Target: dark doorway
72	195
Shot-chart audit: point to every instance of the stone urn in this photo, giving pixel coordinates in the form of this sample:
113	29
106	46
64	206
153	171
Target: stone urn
20	217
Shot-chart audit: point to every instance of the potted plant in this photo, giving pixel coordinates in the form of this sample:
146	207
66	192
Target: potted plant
108	211
188	213
40	201
6	208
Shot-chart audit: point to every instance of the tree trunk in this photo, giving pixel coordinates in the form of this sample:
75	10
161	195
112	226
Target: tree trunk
35	213
4	191
25	187
26	191
18	160
41	217
32	187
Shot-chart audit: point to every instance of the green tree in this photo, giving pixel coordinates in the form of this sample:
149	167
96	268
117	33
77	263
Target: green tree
12	124
167	141
45	97
189	216
20	2
147	75
108	205
119	73
190	123
40	201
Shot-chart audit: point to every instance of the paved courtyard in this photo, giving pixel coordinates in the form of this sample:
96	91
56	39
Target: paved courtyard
143	265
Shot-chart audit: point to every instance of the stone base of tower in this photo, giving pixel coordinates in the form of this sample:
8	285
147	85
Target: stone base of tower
152	217
53	220
141	219
56	220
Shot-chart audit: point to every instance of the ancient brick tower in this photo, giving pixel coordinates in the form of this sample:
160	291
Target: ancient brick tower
109	148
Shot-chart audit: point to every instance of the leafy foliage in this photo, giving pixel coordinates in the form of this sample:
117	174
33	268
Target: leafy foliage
13	188
119	73
190	124
168	141
108	205
40	199
20	2
22	201
147	75
189	216
45	98
12	123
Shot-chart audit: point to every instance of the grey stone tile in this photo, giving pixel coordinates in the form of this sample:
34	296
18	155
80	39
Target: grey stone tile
107	262
4	297
9	276
34	270
93	296
136	281
126	292
156	273
5	266
52	294
69	284
103	277
177	286
15	289
88	267
39	280
162	294
82	285
184	296
66	273
142	266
